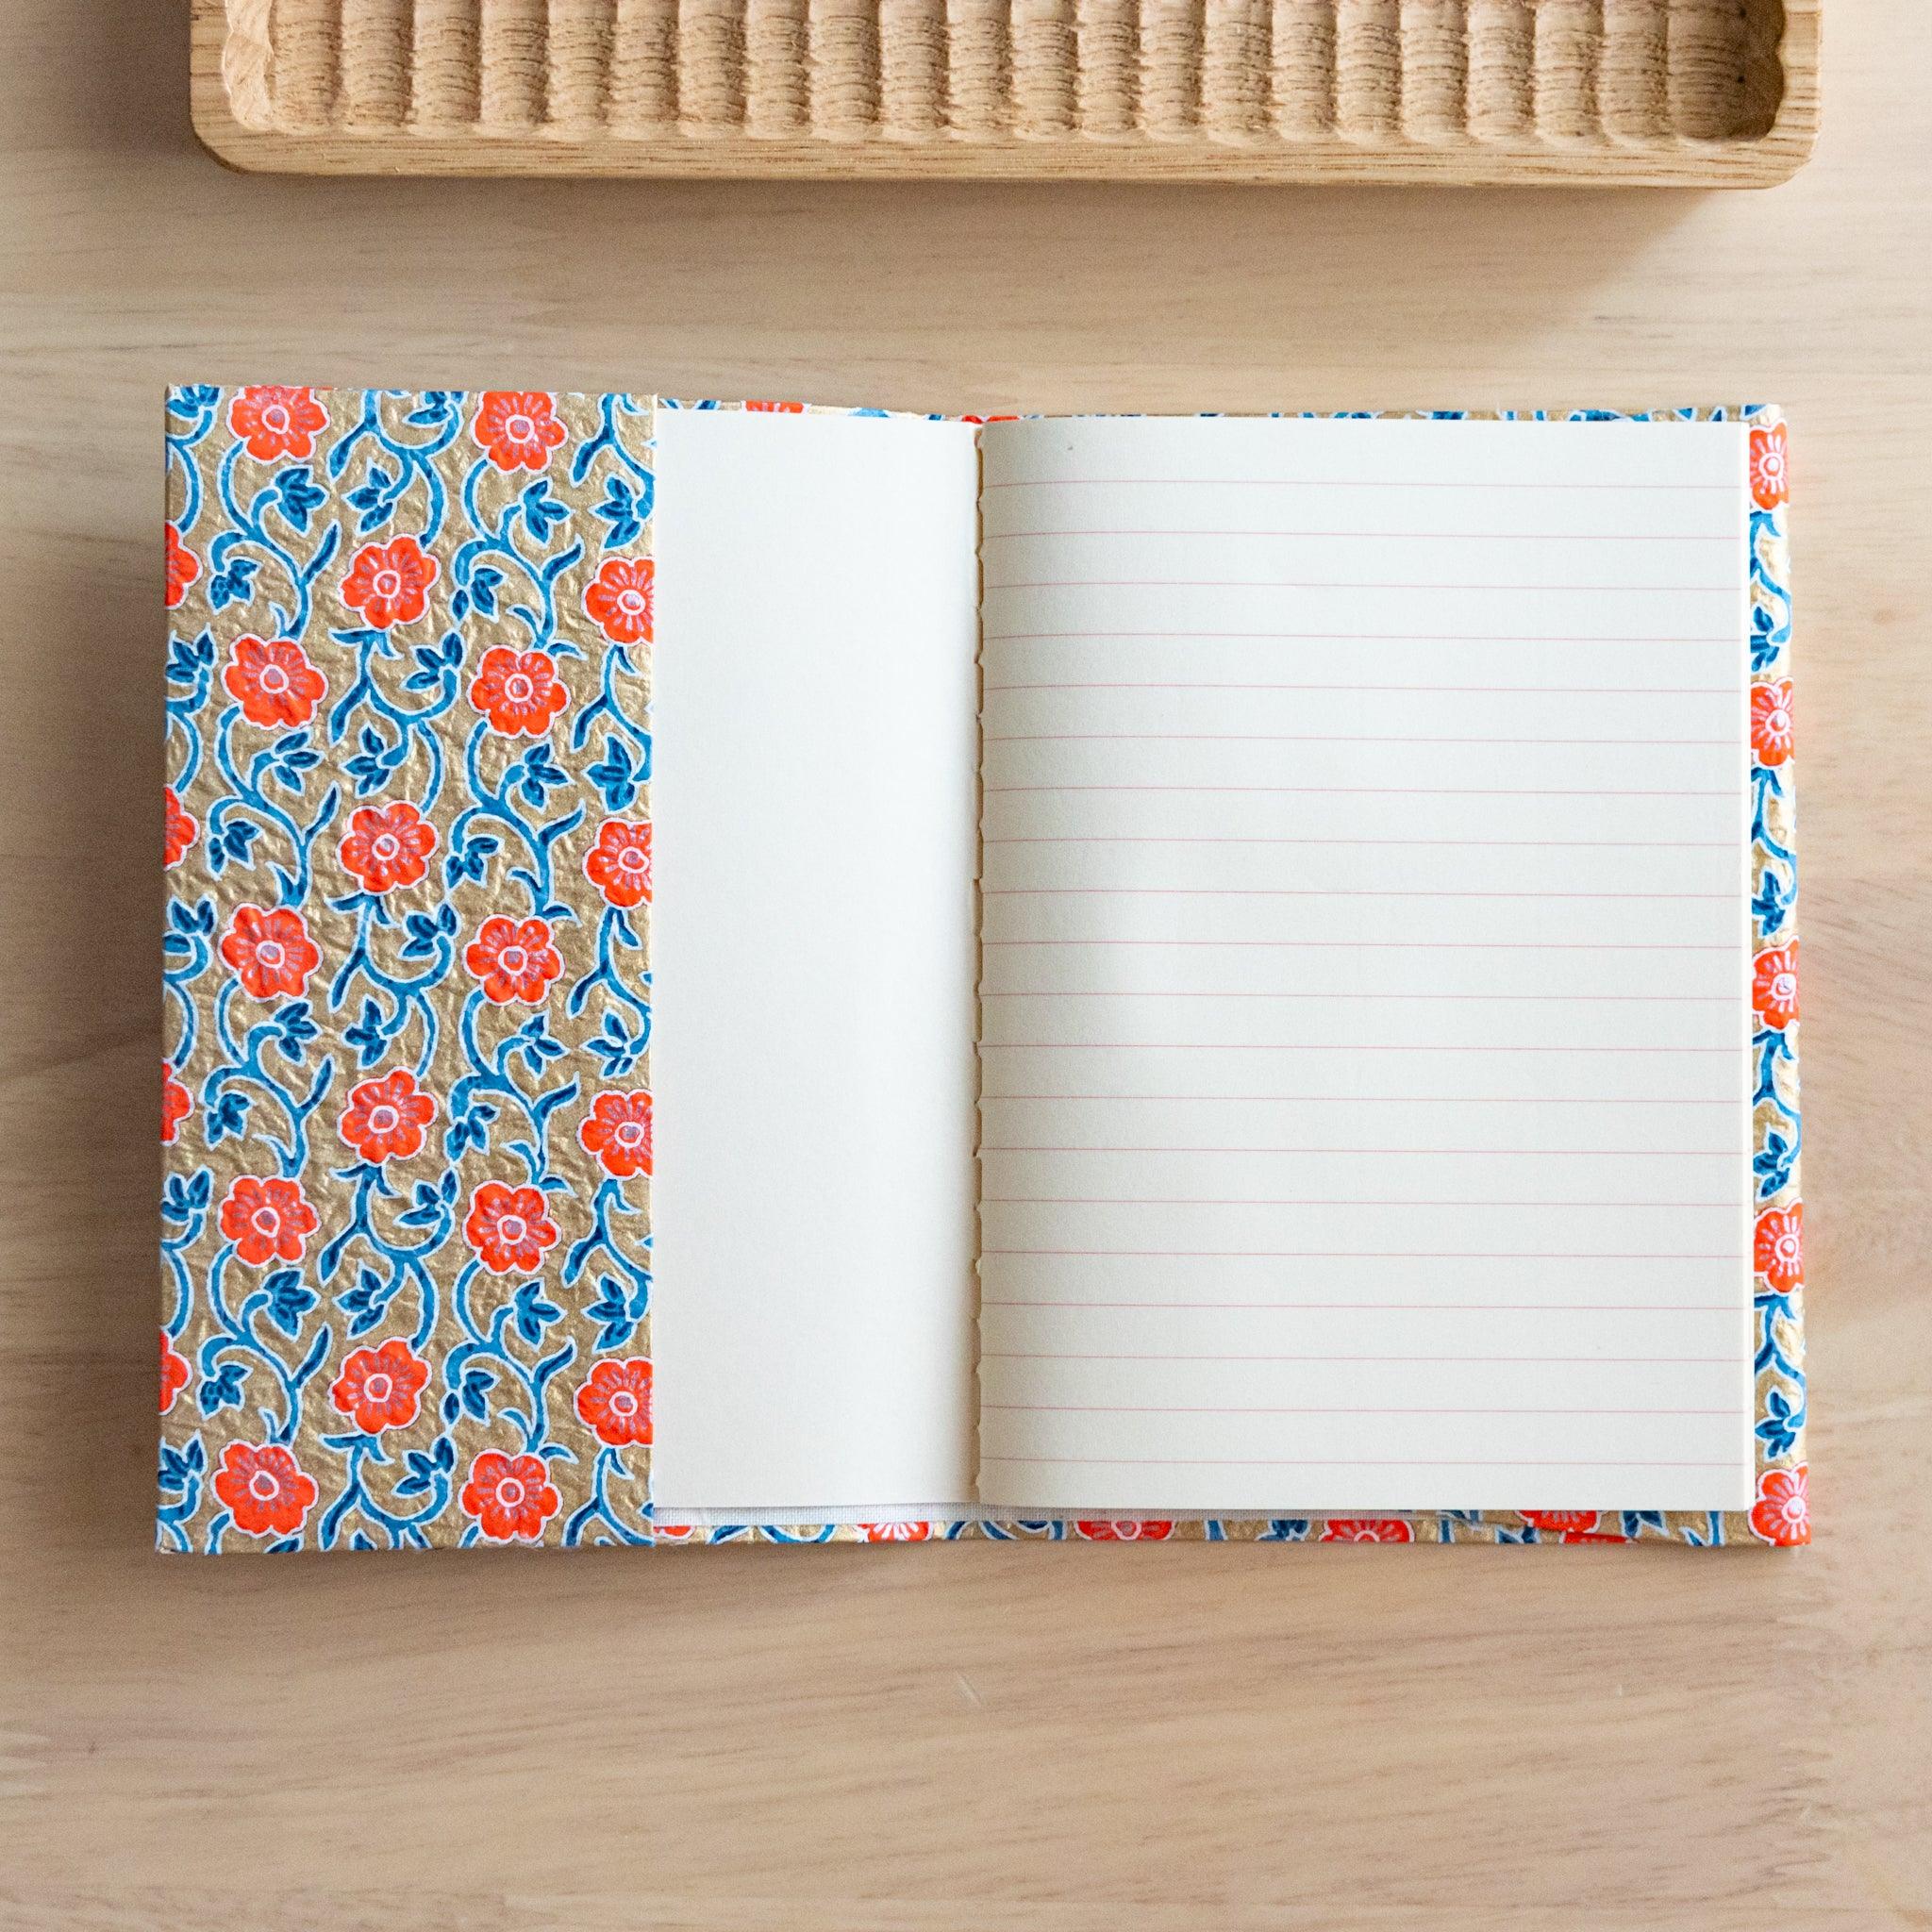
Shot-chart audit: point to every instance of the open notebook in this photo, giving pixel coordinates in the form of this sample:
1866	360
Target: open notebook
1212	977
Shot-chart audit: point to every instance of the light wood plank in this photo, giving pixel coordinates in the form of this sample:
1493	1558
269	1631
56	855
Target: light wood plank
1085	1739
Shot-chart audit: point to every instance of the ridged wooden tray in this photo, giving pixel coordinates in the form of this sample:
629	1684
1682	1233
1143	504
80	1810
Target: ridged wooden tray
1693	93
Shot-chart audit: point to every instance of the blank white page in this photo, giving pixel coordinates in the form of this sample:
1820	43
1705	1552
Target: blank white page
1365	1010
814	714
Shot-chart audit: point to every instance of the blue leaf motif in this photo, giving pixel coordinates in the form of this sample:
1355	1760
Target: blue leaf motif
295	1027
1772	1164
297	491
236	842
540	510
478	1381
534	1314
433	410
422	931
227	1117
179	1467
364	1304
288	1300
373	498
615	775
1781	1423
472	1130
536	775
1771	903
427	1209
234	585
223	1390
367	1035
188	658
625	510
469	860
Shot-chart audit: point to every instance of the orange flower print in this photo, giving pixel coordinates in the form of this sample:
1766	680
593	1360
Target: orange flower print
388	845
509	1497
1782	1513
272	681
1565	1521
896	1532
514	962
378	1387
1367	1529
615	1402
176	1104
618	1131
271	952
174	1373
267	1220
1774	984
519	691
1125	1531
619	602
619	864
1768	481
182	564
1770	721
389	583
387	1117
1778	1248
778	409
517	428
1594	1535
179	829
265	1488
276	421
509	1228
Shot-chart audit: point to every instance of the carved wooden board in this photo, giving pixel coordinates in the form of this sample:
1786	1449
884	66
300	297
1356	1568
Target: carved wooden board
1687	93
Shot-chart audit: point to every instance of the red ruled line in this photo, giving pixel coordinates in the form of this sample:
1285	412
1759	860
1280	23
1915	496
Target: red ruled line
1409	945
1404	1307
1391	1099
1565	691
1329	483
1356	1462
1321	738
1595	791
1427	844
1355	586
1390	536
1333	637
1301	1047
1704	1361
1301	893
1648	999
1297	1201
1327	1255
1582	1153
1243	1409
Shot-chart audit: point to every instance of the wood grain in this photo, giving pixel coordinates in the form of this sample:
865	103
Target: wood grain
1081	1738
1699	93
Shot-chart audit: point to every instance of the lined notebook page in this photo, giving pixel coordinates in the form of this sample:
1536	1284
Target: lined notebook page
1365	944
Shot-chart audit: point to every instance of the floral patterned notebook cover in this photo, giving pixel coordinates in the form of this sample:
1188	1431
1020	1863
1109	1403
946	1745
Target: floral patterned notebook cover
405	1248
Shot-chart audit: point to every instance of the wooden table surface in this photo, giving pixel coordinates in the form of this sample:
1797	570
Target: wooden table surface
1073	1739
